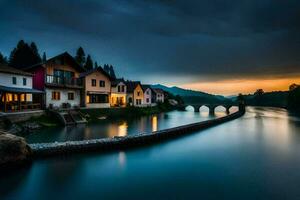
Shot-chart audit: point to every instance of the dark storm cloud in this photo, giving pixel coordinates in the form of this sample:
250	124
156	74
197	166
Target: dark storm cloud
158	39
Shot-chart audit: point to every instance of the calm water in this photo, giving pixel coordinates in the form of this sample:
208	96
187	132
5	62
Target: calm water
122	127
254	157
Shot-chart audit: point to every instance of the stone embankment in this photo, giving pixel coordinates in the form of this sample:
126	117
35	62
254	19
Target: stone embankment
116	143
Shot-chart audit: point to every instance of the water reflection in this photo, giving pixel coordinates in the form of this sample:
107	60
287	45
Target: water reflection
104	129
154	123
122	129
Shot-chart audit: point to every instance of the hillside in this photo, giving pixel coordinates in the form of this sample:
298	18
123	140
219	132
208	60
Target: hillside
192	96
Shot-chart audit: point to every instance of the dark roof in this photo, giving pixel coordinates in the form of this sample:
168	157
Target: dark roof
158	90
117	81
11	70
65	54
19	90
99	69
145	87
131	85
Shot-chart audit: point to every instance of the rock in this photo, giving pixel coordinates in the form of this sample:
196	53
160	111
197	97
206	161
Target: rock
13	150
31	126
15	129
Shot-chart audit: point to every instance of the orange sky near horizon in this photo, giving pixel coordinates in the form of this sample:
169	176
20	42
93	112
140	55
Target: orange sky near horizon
244	86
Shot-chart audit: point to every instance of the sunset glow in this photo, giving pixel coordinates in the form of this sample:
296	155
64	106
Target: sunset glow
233	87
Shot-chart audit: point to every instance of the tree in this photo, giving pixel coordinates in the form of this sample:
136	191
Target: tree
96	65
106	68
294	99
35	52
44	57
89	63
259	92
258	96
112	72
3	59
80	56
293	86
24	55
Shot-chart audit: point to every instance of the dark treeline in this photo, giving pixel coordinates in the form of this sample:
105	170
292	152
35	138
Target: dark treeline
283	99
27	54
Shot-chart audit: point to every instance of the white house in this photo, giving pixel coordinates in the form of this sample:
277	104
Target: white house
118	93
159	95
148	99
16	90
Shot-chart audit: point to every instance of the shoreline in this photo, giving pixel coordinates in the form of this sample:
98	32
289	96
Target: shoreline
41	150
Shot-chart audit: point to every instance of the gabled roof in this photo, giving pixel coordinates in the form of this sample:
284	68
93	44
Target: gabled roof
145	87
99	69
66	55
11	70
115	82
158	90
131	85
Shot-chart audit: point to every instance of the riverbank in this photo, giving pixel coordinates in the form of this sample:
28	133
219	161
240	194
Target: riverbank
130	141
48	120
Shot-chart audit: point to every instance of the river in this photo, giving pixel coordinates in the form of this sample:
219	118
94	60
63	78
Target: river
254	157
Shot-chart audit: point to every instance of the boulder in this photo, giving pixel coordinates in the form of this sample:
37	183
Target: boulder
13	150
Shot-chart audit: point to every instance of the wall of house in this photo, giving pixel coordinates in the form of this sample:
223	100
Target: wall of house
147	95
160	97
98	76
50	66
38	79
6	80
63	97
138	94
98	105
115	89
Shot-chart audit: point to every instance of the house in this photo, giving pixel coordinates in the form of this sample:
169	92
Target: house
159	95
16	93
135	94
149	99
97	88
59	78
118	93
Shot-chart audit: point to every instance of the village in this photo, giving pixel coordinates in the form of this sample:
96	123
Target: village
60	83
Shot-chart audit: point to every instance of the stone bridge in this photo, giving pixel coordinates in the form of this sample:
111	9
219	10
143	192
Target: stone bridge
211	107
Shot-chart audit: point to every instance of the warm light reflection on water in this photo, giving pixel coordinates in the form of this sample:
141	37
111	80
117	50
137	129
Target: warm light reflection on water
122	158
122	129
154	123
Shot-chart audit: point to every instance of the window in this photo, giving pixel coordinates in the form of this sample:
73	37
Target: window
102	83
138	101
55	95
123	88
119	88
14	80
24	81
71	96
138	93
147	100
98	98
147	92
94	82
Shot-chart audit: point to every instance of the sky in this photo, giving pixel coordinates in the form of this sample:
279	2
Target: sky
217	46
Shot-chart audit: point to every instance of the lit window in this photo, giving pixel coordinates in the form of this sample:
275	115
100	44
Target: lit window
55	95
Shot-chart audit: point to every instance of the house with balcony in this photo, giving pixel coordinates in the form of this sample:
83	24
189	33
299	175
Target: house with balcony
59	78
97	88
118	93
135	93
16	92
